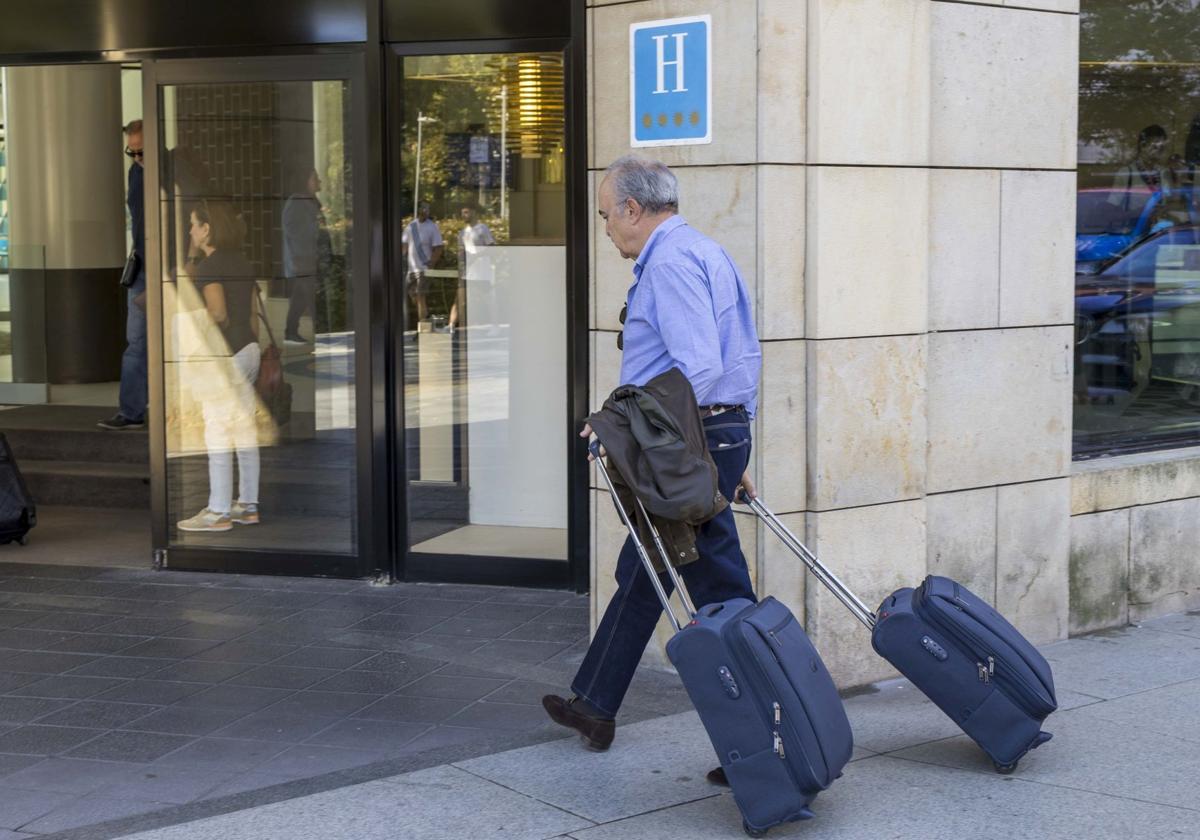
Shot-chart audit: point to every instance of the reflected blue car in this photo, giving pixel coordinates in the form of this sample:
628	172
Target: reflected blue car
1137	319
1108	221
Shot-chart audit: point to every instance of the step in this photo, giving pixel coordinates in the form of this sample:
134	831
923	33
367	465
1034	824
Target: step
70	433
83	484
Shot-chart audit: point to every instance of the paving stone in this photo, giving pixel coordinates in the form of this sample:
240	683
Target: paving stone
226	753
130	746
89	810
69	687
400	663
72	622
9	683
214	632
147	627
99	643
278	676
180	720
1173	711
546	597
325	657
98	714
168	648
306	760
245	653
155	692
446	647
202	672
365	682
12	763
45	662
34	739
412	709
430	606
1090	753
537	631
454	688
442	736
67	775
19	807
323	703
633	779
177	785
400	623
119	666
26	709
523	691
271	726
506	611
248	698
512	650
368	734
1114	663
873	718
513	717
938	804
479	628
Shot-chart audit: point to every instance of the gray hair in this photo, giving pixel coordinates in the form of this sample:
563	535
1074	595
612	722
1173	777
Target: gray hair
648	182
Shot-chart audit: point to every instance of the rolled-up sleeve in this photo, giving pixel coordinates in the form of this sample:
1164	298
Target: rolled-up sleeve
683	308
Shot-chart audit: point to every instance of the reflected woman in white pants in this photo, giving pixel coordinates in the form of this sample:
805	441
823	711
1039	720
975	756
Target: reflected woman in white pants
226	282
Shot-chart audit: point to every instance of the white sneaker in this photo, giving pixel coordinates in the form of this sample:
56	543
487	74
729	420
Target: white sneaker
206	520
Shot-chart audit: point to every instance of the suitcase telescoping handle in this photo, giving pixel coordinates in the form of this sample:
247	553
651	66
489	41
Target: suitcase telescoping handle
831	581
594	448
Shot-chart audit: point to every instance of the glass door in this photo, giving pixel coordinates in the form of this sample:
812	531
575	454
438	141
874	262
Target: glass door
480	278
257	306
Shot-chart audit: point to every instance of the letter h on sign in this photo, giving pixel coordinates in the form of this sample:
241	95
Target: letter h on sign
670	82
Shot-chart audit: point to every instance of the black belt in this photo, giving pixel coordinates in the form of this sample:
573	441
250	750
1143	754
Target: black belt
712	410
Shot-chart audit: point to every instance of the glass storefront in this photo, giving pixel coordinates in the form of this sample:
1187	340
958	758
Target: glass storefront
485	305
1137	289
255	216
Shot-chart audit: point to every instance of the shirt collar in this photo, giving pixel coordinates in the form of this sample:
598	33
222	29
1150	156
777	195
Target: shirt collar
664	227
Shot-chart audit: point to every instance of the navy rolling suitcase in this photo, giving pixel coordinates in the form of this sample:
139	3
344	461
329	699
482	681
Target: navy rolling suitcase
958	650
762	692
17	511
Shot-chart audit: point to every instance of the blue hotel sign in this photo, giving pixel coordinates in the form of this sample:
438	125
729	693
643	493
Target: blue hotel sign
670	82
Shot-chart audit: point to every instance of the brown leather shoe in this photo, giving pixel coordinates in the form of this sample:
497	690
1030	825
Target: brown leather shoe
596	733
717	776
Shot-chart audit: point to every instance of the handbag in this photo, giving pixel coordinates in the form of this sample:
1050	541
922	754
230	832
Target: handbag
274	391
133	267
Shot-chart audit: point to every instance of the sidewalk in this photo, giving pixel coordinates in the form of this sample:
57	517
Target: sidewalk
1124	762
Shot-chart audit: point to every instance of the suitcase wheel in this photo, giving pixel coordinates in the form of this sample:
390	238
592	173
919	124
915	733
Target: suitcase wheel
753	832
23	539
1005	769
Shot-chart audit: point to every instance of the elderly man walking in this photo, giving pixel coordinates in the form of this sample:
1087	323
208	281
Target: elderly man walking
687	308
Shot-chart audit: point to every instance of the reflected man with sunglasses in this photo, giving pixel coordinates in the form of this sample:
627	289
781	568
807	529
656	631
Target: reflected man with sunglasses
132	411
689	308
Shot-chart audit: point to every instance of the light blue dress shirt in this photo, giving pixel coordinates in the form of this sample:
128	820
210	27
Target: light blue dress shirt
688	308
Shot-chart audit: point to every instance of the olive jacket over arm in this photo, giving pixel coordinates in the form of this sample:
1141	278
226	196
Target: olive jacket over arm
658	453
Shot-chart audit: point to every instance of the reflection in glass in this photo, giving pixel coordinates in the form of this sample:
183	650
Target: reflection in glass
258	342
1137	243
485	337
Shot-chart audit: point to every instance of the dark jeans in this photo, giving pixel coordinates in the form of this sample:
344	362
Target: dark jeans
300	301
133	360
719	574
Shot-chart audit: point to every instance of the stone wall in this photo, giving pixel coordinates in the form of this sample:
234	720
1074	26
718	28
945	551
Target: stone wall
895	179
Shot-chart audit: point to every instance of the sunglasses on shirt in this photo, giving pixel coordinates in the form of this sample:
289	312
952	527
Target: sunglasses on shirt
134	153
621	334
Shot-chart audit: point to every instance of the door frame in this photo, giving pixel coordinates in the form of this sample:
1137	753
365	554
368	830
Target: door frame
574	573
313	65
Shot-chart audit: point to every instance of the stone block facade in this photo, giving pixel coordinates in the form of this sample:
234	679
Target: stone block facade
896	181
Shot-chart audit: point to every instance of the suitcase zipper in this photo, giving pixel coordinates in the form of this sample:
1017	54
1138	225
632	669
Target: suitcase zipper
764	681
1012	684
